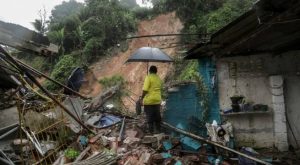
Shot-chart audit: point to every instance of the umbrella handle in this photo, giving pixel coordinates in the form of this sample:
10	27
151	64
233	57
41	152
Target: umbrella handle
147	68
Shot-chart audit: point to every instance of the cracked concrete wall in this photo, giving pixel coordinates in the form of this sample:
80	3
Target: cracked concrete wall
250	76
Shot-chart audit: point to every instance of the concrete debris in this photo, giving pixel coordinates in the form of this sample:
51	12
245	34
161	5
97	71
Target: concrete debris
121	140
131	133
80	133
220	133
131	140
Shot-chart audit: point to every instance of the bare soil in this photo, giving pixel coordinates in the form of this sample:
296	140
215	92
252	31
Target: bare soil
134	73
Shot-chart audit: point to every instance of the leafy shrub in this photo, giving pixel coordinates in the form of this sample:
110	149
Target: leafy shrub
41	63
143	13
189	71
71	153
92	49
225	14
62	70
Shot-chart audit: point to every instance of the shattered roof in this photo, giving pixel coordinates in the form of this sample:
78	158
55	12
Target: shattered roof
269	27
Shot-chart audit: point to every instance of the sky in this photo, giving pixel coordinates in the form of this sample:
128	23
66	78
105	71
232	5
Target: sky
23	12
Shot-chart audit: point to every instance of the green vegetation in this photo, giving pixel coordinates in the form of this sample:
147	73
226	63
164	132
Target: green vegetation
189	71
62	70
85	32
71	153
229	11
40	24
203	16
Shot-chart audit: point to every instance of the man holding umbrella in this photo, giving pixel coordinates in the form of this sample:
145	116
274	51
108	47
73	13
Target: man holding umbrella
152	99
152	85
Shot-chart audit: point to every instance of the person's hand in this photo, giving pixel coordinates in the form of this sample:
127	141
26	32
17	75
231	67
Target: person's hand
141	100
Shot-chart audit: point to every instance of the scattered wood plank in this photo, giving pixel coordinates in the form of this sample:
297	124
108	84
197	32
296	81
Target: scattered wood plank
82	154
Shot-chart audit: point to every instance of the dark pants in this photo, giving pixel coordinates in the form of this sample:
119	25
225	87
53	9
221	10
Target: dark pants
153	117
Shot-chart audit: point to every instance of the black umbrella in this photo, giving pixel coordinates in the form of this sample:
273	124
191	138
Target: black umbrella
149	54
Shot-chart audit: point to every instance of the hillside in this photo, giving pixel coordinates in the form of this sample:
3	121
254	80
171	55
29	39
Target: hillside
134	73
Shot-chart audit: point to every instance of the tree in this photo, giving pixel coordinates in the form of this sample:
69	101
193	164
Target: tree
219	18
40	25
108	20
62	70
86	32
129	4
61	12
71	40
57	37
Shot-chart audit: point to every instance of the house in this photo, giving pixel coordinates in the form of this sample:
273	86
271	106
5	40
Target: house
21	38
257	56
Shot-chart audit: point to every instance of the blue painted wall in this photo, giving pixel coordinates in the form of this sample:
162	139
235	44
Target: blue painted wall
207	69
183	109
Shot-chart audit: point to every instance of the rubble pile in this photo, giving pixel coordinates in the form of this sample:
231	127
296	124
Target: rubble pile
51	136
64	129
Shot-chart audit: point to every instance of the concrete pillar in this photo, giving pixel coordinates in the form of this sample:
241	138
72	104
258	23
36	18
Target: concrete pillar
279	117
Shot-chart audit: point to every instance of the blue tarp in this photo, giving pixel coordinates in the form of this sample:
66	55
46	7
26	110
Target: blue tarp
75	80
107	120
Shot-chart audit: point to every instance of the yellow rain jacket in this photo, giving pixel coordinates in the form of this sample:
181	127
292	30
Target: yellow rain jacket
153	86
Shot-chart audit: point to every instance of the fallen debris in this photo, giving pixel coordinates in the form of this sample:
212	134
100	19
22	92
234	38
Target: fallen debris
76	132
214	144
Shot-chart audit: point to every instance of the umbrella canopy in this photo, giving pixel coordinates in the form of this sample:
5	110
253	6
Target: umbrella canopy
149	54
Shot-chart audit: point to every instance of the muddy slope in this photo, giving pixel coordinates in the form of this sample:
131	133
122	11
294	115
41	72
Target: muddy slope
134	73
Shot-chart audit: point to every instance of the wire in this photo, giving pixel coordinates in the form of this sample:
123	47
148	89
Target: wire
168	47
280	22
166	35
